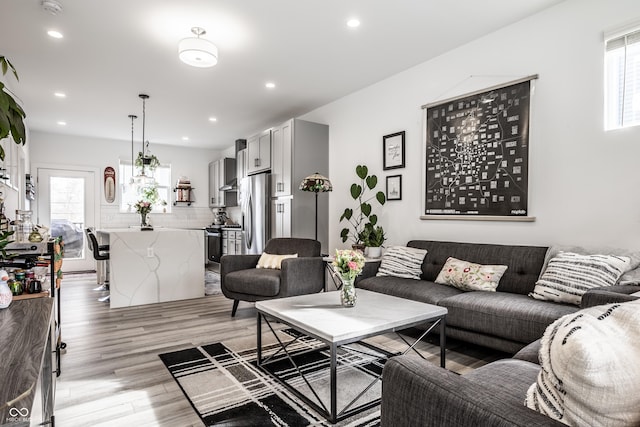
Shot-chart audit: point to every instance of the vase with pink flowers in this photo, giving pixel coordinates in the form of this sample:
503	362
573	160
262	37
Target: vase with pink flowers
143	208
348	264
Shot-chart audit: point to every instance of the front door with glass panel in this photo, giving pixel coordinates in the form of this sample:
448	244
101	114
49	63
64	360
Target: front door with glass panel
66	206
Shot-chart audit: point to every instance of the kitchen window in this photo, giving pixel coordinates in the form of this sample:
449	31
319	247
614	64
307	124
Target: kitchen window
622	78
131	193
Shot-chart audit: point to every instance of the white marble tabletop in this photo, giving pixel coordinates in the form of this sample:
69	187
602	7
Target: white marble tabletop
321	315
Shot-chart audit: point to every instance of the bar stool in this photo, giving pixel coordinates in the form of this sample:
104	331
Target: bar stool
101	255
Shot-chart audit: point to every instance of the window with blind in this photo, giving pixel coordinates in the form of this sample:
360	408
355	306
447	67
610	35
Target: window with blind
622	80
158	192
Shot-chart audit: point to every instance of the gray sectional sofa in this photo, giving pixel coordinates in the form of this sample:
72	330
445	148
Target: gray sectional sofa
506	320
417	392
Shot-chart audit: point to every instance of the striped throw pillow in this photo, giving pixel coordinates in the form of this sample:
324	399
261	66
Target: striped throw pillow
569	275
402	261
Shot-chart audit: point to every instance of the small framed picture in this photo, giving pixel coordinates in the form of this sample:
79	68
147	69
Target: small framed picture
393	151
394	187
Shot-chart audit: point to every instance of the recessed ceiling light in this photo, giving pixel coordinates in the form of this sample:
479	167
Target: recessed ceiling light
353	23
55	34
213	119
60	94
185	138
270	85
62	123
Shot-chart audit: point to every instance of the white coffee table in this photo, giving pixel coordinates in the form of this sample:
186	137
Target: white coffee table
322	317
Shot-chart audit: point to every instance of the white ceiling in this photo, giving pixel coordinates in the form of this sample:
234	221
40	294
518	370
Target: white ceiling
113	50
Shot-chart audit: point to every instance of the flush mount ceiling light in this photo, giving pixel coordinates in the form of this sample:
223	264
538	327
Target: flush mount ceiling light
196	51
52	6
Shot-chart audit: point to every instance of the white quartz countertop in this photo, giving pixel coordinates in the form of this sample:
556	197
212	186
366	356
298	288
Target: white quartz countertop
137	230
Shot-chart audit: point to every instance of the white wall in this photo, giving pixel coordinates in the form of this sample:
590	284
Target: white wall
584	187
66	150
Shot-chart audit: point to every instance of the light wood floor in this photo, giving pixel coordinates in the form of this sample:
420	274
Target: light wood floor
111	373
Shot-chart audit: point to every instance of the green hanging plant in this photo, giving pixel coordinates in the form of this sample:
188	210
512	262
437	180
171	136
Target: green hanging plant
150	161
361	217
11	114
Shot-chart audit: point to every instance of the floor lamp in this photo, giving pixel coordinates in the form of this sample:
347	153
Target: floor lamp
317	184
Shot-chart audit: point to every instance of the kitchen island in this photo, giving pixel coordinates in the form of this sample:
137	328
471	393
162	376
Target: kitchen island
151	266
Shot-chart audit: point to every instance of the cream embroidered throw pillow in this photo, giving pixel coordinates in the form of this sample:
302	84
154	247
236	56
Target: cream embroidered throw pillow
468	276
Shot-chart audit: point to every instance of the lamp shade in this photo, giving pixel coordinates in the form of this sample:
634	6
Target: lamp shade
198	52
316	183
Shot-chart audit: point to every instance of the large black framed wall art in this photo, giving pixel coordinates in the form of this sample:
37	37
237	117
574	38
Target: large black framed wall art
476	154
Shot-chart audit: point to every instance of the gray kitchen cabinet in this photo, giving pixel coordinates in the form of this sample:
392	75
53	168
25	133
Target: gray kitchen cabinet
222	172
299	149
281	166
231	242
259	153
241	165
215	201
281	217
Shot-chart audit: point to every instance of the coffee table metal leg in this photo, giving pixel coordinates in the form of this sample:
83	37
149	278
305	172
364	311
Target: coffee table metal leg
334	386
259	341
443	339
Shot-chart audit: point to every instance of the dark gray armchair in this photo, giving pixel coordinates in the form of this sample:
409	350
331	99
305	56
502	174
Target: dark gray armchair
240	280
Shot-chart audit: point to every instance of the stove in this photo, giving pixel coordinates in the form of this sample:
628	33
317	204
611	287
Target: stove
221	226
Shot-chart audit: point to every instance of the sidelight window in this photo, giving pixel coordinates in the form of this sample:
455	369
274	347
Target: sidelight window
622	79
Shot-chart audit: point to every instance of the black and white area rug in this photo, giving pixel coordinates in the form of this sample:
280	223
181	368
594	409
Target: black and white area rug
225	387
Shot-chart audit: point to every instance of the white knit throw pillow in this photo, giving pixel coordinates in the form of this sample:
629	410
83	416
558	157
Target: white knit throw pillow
402	261
591	368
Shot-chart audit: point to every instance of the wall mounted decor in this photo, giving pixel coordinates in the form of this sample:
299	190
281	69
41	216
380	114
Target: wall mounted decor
476	154
394	187
393	151
109	184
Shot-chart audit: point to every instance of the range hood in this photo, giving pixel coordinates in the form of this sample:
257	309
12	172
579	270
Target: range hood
229	173
230	186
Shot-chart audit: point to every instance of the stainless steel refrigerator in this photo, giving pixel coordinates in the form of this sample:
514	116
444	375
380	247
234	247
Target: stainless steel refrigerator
255	203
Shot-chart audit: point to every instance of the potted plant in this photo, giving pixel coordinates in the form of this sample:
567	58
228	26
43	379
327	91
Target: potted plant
11	125
373	238
361	216
11	114
149	161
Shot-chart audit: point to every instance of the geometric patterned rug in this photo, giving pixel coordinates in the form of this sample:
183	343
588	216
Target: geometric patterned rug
225	387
